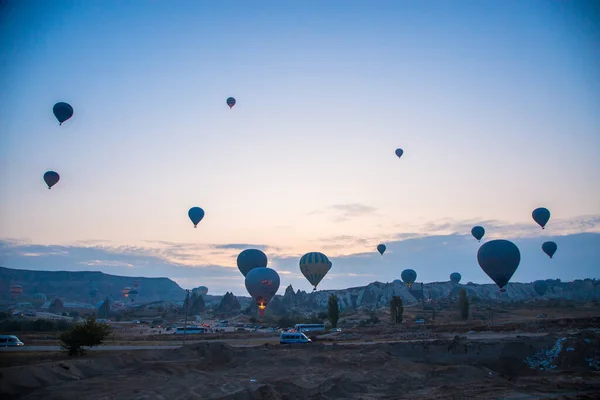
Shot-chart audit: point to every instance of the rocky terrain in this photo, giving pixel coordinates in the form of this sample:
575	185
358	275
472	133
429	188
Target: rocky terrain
79	286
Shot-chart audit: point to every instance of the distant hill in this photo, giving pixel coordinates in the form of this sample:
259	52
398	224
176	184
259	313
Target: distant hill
85	286
92	287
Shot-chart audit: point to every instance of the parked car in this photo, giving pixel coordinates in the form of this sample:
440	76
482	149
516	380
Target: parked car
10	341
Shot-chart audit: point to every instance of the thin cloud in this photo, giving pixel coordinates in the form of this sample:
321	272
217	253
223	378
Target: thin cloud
343	212
240	246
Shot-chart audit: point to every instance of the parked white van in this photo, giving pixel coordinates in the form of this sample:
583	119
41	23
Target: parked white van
293	337
10	341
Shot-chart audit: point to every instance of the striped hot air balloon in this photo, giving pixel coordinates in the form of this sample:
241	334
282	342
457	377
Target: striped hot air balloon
314	266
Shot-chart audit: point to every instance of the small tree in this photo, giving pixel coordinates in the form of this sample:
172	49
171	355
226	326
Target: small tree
463	304
396	309
90	333
333	310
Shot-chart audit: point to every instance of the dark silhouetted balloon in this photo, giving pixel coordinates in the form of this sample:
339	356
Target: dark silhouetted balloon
51	178
381	248
455	277
409	276
314	266
549	248
478	232
499	259
62	111
230	102
249	259
196	214
541	216
262	284
399	152
540	287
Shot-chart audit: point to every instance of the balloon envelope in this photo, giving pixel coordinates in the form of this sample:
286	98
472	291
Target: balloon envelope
541	216
381	248
51	178
540	287
499	259
549	248
262	284
399	152
249	259
409	276
196	214
62	111
314	266
478	232
230	102
455	277
202	290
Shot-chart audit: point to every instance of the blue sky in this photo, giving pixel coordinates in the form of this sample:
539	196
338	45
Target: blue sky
496	105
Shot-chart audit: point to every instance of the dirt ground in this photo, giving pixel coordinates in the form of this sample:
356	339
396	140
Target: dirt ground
521	357
440	369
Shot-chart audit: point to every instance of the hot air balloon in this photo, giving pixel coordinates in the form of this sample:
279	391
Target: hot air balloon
478	232
15	291
314	266
381	248
196	214
541	216
540	287
51	178
262	284
126	291
455	277
135	284
62	111
38	299
549	248
499	259
249	259
230	102
202	290
409	276
399	152
132	294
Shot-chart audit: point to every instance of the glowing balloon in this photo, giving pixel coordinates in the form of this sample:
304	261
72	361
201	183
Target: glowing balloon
262	284
478	232
499	259
541	216
455	277
62	111
126	291
314	266
51	178
409	276
230	102
249	259
196	214
549	248
381	248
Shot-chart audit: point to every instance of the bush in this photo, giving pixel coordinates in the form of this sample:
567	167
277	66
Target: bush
90	333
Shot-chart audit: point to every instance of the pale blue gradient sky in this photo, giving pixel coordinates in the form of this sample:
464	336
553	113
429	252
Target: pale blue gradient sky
496	104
